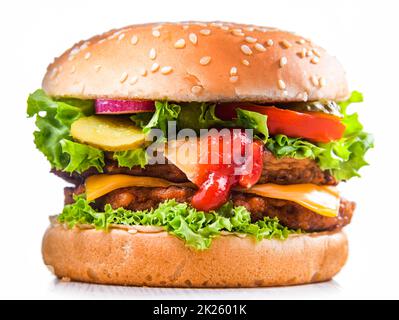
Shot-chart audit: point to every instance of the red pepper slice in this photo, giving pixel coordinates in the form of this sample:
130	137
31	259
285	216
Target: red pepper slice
314	126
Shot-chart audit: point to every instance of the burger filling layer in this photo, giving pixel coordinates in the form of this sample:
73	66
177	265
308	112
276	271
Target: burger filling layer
284	185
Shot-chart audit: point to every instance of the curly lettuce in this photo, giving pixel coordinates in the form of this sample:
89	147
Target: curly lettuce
54	118
164	112
131	158
196	228
198	115
343	158
82	157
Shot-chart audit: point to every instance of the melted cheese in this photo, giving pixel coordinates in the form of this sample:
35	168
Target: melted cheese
323	200
99	185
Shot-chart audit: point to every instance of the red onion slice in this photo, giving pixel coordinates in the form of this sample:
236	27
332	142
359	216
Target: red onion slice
107	106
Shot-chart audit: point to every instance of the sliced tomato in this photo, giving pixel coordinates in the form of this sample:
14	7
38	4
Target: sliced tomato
315	126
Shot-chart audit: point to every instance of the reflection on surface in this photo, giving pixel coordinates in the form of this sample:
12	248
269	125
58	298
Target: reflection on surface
329	289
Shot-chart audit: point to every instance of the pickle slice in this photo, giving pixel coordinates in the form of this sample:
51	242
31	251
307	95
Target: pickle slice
324	106
107	133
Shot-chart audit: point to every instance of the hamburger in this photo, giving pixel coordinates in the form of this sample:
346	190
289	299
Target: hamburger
131	118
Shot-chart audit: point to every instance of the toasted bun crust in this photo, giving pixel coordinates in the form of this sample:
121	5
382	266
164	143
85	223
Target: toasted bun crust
197	62
159	259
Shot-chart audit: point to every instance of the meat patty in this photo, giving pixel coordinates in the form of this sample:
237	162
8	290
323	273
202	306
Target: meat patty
289	213
279	171
293	215
292	171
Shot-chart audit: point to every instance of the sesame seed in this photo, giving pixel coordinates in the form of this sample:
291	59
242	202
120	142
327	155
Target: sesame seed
250	39
269	42
193	38
205	32
156	33
53	73
315	60
233	71
87	55
84	46
316	52
166	70
322	82
205	60
143	72
225	28
154	67
285	93
260	47
133	80
180	44
300	41
134	40
121	36
314	80
123	77
250	29
97	68
73	69
305	96
281	84
74	51
302	53
201	24
285	44
245	62
238	32
283	61
233	79
246	50
196	89
65	279
309	53
132	231
152	54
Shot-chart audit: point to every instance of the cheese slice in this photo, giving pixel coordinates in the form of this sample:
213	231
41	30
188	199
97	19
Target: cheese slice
323	200
101	184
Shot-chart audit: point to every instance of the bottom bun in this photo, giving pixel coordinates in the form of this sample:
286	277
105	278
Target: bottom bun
145	257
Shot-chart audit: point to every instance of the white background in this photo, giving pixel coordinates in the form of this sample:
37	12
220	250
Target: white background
363	34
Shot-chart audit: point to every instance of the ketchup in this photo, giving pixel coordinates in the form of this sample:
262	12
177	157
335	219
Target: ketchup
215	180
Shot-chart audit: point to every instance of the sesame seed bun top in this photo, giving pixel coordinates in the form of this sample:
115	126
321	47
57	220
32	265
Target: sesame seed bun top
195	61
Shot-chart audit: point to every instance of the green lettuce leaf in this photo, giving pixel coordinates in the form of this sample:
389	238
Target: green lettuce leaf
196	116
164	112
283	146
196	228
343	158
253	120
131	158
82	157
346	156
53	120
